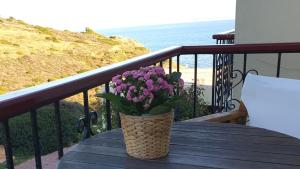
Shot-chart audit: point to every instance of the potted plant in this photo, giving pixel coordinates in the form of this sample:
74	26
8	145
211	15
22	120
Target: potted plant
144	99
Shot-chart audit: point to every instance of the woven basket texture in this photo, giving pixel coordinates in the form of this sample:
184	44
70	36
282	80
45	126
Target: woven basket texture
147	137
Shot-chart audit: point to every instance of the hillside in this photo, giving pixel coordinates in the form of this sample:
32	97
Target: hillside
31	55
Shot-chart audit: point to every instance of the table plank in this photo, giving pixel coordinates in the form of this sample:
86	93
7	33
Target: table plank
208	152
122	161
238	138
248	131
194	145
78	165
231	144
225	136
119	159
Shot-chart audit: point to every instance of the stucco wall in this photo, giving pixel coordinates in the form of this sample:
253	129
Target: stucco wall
264	21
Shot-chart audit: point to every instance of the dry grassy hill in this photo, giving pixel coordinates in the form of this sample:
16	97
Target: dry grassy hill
31	55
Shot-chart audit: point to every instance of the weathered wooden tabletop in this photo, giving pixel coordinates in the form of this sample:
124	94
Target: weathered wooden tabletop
193	146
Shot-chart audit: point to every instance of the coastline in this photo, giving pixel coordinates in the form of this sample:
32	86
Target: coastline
204	80
204	75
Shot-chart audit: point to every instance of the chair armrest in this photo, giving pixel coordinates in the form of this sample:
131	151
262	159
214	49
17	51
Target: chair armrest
224	117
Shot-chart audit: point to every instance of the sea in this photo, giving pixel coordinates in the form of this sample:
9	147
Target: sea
162	36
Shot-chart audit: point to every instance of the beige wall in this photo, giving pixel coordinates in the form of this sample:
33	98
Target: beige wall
264	21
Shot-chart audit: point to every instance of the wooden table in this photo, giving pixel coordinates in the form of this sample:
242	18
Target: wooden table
193	146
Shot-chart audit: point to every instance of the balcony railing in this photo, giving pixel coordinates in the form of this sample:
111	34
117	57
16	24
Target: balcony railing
30	99
222	65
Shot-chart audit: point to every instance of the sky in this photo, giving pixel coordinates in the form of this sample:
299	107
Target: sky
75	15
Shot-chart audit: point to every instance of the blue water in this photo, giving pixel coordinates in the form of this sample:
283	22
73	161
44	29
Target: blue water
162	36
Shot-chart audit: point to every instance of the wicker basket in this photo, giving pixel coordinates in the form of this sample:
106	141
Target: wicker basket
147	137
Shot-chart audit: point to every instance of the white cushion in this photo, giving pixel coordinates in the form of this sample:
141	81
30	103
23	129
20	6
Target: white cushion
273	103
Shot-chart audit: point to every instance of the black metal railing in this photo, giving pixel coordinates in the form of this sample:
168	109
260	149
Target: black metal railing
222	74
30	99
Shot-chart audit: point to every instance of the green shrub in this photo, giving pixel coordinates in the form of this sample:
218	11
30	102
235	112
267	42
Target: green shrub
20	52
21	132
89	30
36	80
81	41
108	41
186	107
82	71
21	22
28	85
5	42
11	19
52	38
43	30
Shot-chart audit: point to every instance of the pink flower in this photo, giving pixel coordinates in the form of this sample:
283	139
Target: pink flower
135	99
128	96
126	74
118	82
123	86
156	88
135	74
146	92
118	89
160	80
115	78
149	84
165	85
132	88
159	70
147	76
141	98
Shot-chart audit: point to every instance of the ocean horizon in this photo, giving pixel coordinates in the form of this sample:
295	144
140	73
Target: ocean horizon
157	37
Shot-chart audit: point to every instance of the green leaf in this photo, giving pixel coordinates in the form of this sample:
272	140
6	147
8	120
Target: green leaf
110	96
119	103
160	97
160	109
175	76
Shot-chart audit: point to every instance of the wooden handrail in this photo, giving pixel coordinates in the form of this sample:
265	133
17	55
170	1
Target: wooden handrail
229	36
243	48
21	101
